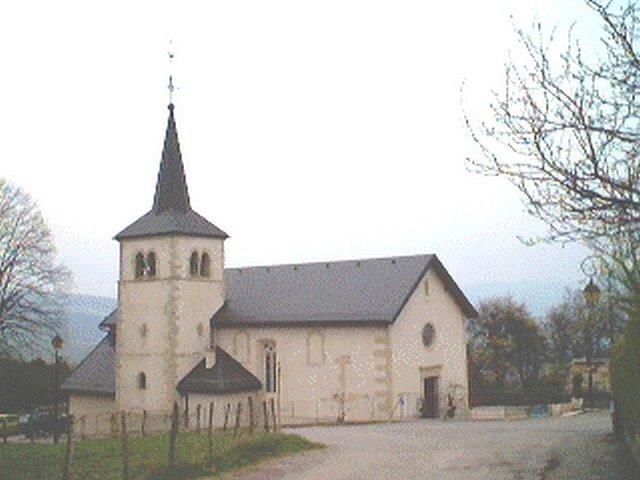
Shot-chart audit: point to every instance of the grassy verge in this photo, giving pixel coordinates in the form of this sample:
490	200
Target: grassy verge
101	459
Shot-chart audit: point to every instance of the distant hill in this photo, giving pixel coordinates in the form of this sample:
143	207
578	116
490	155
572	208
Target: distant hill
83	314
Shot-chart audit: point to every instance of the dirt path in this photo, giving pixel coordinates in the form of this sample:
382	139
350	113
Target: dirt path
580	447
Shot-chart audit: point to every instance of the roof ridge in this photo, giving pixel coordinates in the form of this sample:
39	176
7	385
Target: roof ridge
330	262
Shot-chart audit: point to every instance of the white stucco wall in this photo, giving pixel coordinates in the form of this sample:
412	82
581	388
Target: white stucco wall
324	372
92	415
163	328
370	372
446	358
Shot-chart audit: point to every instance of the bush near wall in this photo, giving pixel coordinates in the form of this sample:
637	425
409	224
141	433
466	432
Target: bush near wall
625	380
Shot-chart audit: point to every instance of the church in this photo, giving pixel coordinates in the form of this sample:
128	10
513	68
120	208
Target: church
358	340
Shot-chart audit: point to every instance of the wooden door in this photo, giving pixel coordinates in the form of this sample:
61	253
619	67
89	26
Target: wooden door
430	395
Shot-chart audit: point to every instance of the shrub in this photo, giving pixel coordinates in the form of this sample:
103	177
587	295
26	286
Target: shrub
625	374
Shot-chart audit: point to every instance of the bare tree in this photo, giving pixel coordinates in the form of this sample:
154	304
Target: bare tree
32	284
565	129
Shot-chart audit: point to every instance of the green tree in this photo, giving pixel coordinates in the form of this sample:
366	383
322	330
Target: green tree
32	284
573	329
625	374
26	385
559	327
508	349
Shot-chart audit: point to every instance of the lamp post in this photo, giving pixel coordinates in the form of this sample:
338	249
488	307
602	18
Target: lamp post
592	296
56	342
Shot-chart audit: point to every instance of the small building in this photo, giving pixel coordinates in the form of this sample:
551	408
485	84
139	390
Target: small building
358	340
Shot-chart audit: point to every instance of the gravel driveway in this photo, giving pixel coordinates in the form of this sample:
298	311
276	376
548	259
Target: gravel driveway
579	447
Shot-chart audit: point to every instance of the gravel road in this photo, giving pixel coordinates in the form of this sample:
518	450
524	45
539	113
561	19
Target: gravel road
579	447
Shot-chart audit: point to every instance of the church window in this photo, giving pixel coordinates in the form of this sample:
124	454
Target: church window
142	381
151	264
205	266
193	264
270	367
140	266
315	349
428	335
144	330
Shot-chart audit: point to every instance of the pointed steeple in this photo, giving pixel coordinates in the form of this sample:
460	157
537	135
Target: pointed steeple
171	213
171	188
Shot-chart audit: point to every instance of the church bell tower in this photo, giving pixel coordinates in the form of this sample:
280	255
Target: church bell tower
171	284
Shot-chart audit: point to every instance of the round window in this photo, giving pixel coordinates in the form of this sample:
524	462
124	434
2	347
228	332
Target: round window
428	335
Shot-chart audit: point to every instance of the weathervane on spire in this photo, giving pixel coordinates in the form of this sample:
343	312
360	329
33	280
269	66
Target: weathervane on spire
171	86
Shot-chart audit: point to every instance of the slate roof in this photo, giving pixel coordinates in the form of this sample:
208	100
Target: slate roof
96	374
226	376
109	321
354	292
345	292
171	212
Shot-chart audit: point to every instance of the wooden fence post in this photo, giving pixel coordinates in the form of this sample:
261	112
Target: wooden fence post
67	475
273	415
143	426
265	414
250	400
227	410
114	424
124	440
237	425
173	436
210	434
5	430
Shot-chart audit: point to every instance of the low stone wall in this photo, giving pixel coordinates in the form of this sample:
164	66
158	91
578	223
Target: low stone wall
506	412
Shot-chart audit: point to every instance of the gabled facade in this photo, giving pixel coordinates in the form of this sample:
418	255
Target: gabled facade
356	340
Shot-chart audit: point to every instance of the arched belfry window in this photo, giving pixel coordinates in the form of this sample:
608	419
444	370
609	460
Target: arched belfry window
151	264
194	265
205	266
142	381
270	367
140	266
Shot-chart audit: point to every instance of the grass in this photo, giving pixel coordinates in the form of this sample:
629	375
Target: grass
101	459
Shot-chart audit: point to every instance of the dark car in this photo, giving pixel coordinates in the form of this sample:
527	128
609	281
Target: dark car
43	422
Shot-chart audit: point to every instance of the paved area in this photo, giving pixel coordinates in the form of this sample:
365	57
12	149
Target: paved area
579	447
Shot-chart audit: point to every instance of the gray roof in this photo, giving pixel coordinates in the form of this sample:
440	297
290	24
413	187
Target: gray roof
356	291
347	293
171	212
226	376
171	222
109	321
96	373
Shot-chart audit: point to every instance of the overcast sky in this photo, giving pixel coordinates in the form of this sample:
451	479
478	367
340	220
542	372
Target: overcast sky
319	130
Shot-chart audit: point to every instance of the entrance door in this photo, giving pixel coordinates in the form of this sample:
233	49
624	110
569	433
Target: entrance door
430	395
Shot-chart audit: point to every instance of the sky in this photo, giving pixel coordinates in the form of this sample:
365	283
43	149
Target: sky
310	131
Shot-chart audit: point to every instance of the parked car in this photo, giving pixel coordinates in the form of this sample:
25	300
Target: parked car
10	424
42	421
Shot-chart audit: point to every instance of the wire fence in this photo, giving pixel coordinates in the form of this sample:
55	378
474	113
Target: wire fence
244	416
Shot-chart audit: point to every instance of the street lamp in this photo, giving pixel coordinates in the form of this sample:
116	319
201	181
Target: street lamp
592	296
56	342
